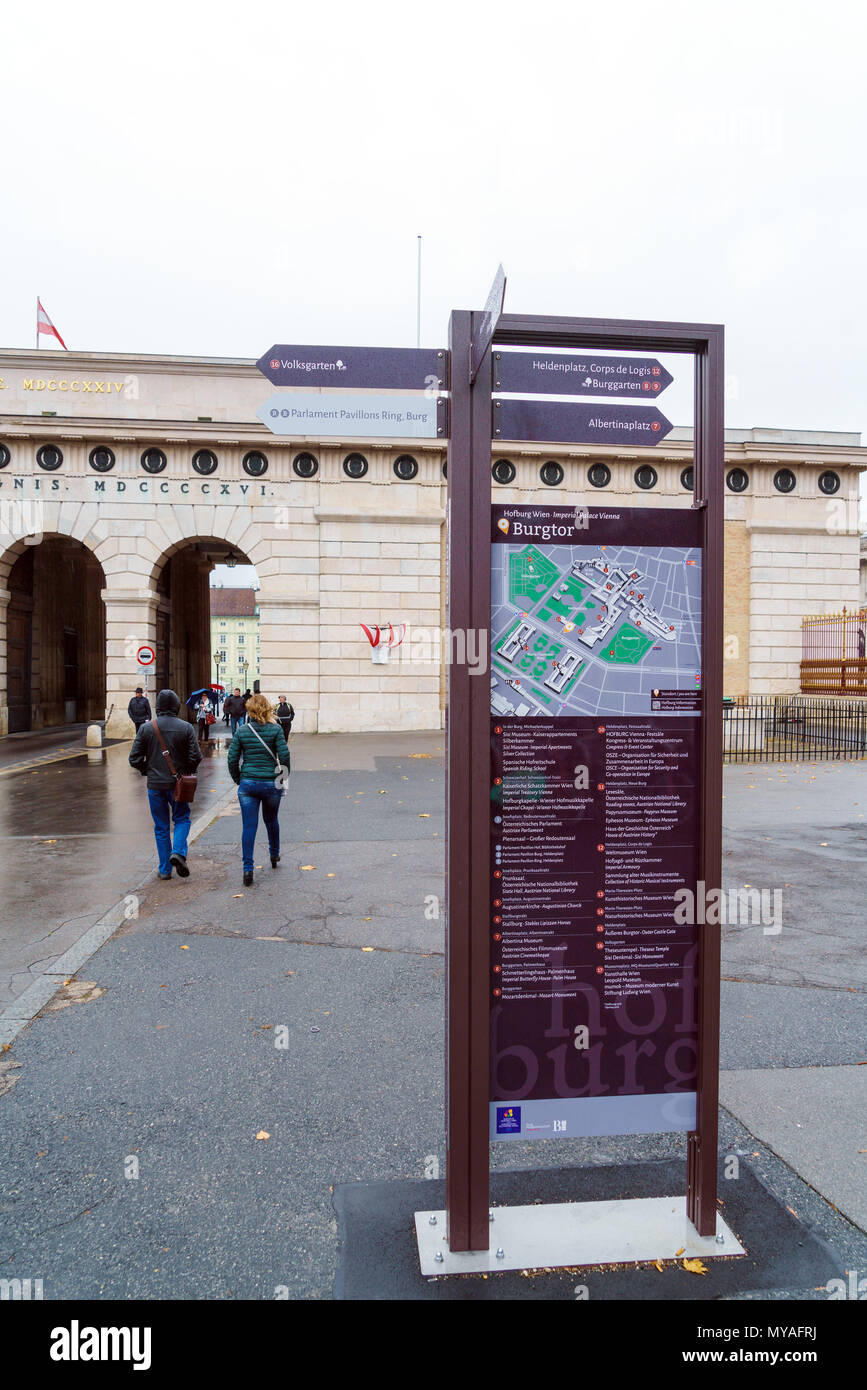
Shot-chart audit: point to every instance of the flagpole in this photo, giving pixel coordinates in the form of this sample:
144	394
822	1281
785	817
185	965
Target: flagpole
37	323
418	301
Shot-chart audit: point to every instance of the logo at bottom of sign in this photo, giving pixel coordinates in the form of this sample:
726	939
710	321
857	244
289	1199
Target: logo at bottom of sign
508	1119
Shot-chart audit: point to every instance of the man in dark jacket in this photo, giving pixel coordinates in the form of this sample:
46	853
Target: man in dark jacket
139	708
235	709
285	714
147	755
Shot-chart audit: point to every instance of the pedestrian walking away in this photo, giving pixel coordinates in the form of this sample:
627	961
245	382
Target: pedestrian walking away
168	813
139	708
259	763
285	715
234	709
203	712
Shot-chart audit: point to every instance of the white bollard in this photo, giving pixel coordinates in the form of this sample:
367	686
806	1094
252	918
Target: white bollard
94	736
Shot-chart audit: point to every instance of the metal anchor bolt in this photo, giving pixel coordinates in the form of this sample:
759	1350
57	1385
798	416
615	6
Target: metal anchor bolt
501	1254
431	1221
439	1257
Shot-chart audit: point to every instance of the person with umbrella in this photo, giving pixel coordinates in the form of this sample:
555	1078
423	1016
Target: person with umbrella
201	702
203	711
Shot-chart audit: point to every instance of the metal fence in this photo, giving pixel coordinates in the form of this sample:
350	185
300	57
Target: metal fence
792	728
834	653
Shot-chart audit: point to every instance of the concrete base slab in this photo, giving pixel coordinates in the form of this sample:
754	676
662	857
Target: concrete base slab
566	1234
379	1252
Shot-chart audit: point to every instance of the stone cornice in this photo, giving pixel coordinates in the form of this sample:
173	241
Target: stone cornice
28	359
796	529
389	518
271	594
110	595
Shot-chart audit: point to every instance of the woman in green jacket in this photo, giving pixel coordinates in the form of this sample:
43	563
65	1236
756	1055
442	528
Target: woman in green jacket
259	763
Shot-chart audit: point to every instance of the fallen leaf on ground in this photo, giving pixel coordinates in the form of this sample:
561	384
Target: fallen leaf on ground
424	815
367	948
695	1266
659	1265
263	1134
237	895
305	867
75	992
185	948
680	1251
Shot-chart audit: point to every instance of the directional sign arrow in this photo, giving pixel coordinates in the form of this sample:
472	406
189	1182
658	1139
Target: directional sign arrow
579	423
559	374
390	369
355	414
488	326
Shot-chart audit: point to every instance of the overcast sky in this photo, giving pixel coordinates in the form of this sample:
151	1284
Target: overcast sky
209	179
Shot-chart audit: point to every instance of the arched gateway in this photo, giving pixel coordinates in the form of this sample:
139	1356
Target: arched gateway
156	469
124	479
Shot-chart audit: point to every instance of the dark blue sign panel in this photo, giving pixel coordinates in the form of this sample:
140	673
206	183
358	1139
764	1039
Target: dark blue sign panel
556	374
488	326
596	706
393	369
565	423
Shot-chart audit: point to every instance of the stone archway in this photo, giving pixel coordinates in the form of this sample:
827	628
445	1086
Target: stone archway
53	634
185	659
156	592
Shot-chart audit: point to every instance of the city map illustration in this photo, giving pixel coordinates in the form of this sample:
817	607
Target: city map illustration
593	629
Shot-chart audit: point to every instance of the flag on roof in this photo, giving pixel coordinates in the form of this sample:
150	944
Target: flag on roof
44	325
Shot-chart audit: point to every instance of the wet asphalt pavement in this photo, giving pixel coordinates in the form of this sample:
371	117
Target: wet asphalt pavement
76	835
309	1009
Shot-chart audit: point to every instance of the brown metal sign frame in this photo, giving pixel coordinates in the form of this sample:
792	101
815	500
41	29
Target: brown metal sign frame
468	736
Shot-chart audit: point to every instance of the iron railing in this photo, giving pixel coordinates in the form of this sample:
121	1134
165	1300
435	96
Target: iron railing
793	728
834	653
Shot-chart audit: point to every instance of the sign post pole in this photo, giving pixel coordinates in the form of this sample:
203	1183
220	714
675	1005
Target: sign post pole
467	944
702	1144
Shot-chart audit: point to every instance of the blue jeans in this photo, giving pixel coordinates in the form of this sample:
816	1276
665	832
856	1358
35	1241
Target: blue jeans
251	794
163	805
235	720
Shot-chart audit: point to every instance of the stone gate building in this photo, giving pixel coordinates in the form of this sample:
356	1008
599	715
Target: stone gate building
124	479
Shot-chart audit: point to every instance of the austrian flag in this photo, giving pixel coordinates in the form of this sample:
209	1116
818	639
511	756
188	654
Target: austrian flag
44	325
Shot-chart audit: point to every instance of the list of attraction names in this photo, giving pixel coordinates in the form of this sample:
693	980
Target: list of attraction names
594	829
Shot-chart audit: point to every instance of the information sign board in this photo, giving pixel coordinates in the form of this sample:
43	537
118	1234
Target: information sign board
595	705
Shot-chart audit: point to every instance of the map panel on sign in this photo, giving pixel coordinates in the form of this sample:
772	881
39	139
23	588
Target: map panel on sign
595	630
